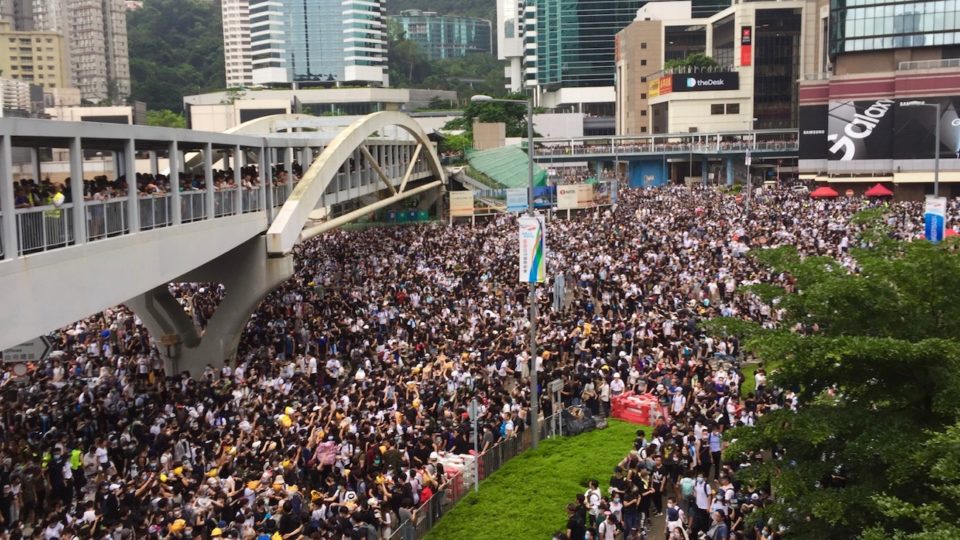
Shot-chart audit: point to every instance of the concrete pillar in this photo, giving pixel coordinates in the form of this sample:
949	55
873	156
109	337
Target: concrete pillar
705	170
154	163
174	169
35	164
266	178
288	166
8	221
133	194
729	161
238	178
76	192
248	274
208	180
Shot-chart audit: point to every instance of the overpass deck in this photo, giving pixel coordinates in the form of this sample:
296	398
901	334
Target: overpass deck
761	143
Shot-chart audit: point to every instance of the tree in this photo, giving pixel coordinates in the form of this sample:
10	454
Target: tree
166	118
695	60
514	115
457	144
176	49
874	358
407	62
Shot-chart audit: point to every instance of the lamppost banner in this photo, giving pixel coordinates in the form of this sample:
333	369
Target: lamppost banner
533	249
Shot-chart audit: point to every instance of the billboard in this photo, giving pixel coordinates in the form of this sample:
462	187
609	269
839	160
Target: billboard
704	82
813	132
653	88
879	129
517	200
574	196
915	126
666	84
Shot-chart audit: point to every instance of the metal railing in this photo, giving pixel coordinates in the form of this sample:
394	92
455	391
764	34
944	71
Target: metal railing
280	194
225	202
106	218
193	206
251	200
652	147
429	512
929	64
154	211
44	227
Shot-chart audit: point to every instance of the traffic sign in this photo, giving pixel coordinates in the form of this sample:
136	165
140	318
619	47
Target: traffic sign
34	350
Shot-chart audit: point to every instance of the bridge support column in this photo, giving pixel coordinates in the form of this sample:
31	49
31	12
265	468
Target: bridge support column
247	273
705	169
729	161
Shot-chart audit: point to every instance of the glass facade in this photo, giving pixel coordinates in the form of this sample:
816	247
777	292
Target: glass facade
446	36
864	25
573	41
318	41
776	68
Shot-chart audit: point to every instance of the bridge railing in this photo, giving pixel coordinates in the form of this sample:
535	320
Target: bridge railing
760	141
193	206
42	228
225	202
250	200
106	218
154	211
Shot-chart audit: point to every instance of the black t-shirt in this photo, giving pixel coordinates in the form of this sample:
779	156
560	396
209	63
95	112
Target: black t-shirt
618	483
287	524
576	526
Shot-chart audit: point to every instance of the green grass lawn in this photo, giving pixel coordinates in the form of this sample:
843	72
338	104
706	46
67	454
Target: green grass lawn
527	498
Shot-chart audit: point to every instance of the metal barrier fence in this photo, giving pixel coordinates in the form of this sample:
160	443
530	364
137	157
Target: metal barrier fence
429	512
280	194
193	206
154	211
251	200
225	202
106	218
44	227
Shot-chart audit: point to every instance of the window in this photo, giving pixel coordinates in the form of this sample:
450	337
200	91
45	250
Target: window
643	96
643	129
643	44
733	108
643	62
643	112
716	108
643	79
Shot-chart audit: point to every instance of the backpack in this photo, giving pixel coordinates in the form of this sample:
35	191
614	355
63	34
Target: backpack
673	514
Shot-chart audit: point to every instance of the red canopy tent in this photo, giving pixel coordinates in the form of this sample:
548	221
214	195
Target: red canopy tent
824	192
878	190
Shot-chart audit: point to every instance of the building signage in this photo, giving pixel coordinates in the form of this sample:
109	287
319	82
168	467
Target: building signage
935	218
666	84
878	129
653	88
746	45
704	82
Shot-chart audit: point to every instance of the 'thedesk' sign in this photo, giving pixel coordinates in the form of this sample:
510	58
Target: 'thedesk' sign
703	82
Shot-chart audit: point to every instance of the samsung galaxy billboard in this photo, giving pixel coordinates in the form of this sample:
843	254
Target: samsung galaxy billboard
880	128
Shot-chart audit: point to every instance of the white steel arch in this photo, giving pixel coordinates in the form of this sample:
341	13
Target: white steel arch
284	232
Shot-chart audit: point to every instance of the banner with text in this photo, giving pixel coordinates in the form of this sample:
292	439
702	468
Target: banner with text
461	203
517	200
533	249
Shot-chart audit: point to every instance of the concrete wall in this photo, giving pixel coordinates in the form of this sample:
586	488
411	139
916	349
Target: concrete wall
648	173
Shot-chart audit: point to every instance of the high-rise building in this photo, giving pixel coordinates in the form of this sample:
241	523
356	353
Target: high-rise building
510	42
303	42
445	36
95	34
870	114
237	55
35	57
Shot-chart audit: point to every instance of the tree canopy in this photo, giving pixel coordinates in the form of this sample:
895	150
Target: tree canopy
514	115
176	49
874	358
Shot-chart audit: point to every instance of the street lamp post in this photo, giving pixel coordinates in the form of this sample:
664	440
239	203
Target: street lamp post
534	395
936	141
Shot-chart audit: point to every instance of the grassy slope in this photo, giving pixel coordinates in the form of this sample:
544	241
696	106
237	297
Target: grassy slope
528	496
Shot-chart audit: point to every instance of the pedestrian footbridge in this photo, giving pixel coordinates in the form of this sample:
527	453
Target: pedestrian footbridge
63	261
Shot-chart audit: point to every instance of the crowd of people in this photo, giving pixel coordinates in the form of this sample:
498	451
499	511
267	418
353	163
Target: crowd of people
352	380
